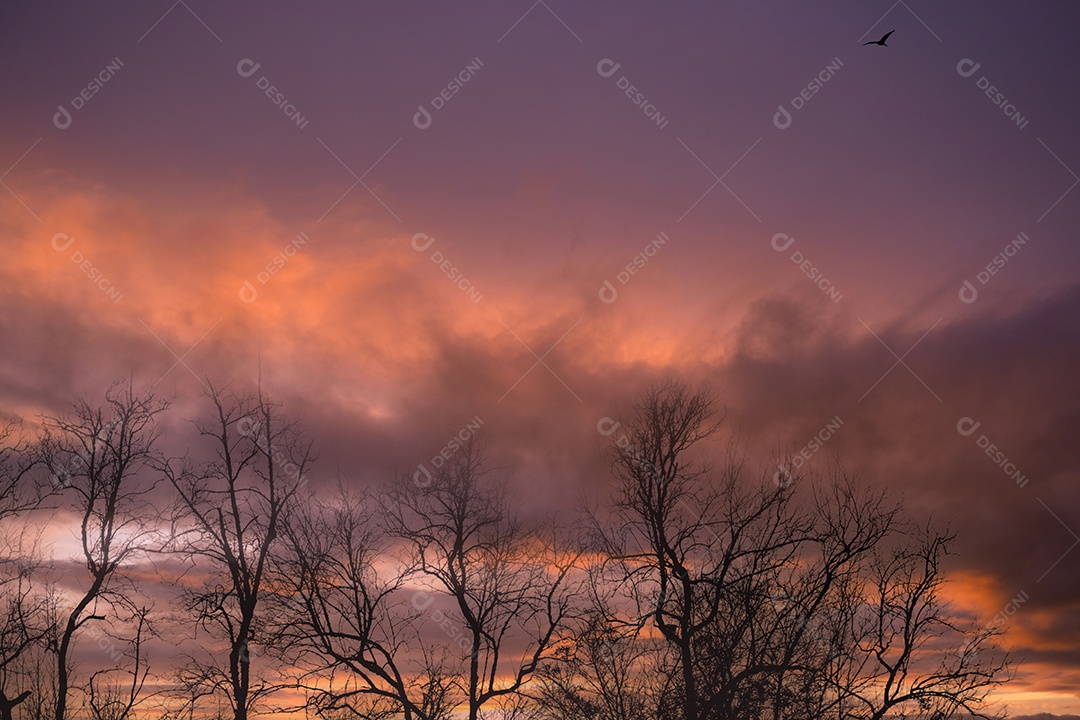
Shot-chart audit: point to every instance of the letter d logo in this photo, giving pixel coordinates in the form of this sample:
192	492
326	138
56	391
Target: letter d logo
781	237
606	426
607	67
61	237
62	118
248	293
247	67
782	477
968	293
248	426
420	238
967	67
422	118
422	476
608	293
966	426
782	118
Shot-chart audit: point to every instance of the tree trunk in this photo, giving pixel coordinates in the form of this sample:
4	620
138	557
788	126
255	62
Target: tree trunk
65	645
62	670
239	670
689	686
6	706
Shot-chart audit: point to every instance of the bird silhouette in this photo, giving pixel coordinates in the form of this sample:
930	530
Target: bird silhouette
881	42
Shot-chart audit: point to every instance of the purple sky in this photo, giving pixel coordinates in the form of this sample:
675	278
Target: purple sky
179	180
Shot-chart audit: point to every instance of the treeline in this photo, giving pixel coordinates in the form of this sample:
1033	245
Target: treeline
693	588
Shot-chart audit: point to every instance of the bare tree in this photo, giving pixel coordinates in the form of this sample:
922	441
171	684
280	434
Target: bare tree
25	618
604	672
801	608
471	605
100	455
759	587
710	594
20	489
113	693
35	674
229	515
27	613
351	622
903	659
508	585
692	549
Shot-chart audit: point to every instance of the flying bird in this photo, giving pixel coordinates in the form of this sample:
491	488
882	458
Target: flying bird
881	42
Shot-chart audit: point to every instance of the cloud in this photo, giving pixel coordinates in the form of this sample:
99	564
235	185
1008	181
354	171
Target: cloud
385	358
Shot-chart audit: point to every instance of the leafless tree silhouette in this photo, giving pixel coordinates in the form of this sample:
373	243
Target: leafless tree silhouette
605	671
103	457
25	617
227	520
20	490
691	550
351	621
699	591
463	616
758	587
114	692
909	653
507	584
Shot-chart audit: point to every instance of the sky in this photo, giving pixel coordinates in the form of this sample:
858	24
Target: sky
410	219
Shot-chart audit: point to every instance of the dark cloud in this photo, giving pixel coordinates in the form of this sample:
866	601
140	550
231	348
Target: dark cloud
540	179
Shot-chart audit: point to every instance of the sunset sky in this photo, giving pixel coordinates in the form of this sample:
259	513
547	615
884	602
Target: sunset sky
410	217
